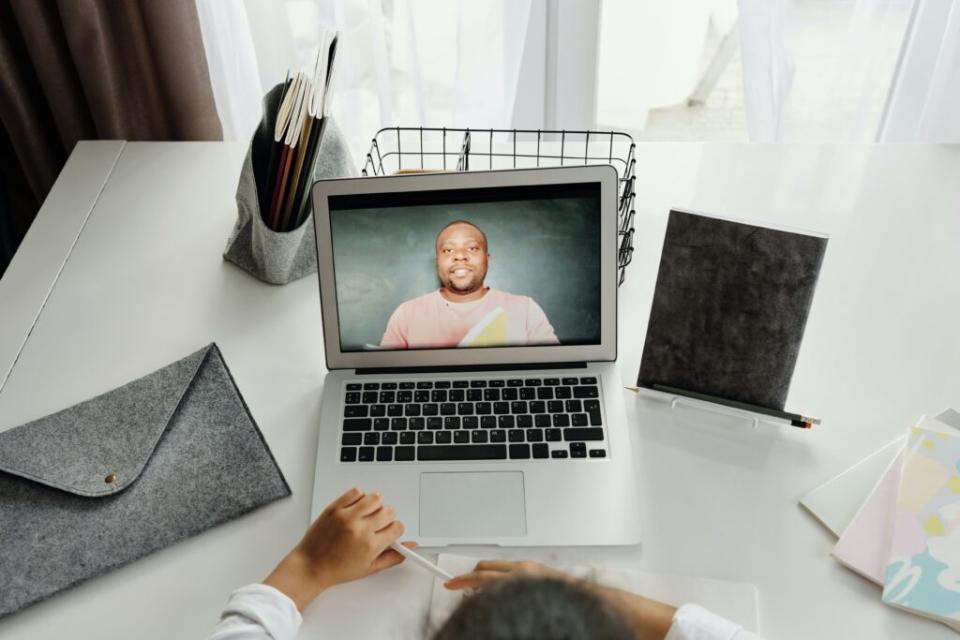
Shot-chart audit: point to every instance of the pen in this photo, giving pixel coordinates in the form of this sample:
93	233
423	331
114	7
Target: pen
793	419
420	560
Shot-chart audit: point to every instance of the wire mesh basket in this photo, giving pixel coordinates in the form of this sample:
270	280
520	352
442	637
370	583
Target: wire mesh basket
412	149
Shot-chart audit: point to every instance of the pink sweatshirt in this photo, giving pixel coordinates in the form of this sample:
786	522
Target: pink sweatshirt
498	319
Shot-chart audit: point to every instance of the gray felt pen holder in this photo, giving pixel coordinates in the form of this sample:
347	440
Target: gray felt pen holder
281	257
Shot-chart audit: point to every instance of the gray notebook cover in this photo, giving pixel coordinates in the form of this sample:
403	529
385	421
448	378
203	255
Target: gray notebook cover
729	309
110	480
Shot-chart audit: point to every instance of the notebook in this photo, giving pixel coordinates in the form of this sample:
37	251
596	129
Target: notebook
923	569
835	502
737	601
729	308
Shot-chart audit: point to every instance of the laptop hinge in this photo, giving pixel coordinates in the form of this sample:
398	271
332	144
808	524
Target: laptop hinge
475	367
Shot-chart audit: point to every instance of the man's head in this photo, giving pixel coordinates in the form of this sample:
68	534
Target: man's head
462	257
534	608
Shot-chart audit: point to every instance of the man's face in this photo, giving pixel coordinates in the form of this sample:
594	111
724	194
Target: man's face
461	258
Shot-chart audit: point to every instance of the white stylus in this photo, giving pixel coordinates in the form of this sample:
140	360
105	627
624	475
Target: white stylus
420	560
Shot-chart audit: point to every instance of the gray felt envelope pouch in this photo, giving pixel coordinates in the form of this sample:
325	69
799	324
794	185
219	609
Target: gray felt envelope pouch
112	479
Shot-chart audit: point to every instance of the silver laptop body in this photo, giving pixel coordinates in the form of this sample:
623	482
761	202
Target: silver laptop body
522	444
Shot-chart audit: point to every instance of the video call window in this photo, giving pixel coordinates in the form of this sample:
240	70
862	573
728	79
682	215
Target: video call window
503	267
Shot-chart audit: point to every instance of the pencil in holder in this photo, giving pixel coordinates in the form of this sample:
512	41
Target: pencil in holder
281	256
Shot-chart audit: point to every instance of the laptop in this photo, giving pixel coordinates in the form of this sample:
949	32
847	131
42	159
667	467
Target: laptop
469	324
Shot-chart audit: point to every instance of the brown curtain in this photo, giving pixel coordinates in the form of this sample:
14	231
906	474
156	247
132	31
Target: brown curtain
94	69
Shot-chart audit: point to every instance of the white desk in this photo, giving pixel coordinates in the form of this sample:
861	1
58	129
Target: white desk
144	284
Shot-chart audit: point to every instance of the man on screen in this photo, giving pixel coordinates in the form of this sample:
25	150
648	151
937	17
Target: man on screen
463	312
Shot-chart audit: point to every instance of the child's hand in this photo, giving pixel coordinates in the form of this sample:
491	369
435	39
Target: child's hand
349	540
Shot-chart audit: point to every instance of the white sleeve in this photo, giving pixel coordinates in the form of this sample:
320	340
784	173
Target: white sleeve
693	622
258	612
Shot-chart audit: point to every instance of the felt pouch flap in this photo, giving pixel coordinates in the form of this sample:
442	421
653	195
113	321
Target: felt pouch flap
99	446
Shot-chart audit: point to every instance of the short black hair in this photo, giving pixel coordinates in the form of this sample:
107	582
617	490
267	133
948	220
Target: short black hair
486	246
535	608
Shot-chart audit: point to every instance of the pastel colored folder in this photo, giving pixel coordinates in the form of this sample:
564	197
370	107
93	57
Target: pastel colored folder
105	482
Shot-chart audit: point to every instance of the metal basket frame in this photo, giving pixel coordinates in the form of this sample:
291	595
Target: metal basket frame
427	150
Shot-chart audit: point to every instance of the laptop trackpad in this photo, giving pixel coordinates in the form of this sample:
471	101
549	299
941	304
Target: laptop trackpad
472	505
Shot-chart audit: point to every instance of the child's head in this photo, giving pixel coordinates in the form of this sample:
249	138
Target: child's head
529	608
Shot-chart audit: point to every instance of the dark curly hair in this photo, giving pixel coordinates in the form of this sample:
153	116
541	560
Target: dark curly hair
535	609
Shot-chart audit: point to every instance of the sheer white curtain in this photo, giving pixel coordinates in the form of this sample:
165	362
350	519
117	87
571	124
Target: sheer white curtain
851	70
401	62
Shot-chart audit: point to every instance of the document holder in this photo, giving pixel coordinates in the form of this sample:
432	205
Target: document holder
98	485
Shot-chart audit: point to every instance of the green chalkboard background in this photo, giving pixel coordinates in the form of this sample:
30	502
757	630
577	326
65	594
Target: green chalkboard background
546	249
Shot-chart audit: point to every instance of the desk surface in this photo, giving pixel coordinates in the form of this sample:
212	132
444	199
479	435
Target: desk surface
142	283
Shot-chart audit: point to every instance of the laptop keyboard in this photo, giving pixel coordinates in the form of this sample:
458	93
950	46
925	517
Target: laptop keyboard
479	419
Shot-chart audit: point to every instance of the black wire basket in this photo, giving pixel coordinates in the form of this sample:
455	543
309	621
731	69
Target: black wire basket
411	149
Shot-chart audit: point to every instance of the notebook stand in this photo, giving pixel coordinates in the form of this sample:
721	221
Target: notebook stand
678	402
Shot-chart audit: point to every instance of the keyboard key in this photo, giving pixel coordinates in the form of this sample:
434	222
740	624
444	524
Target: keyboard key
478	383
451	422
538	406
465	408
388	385
595	420
552	435
478	437
384	454
483	408
509	394
441	384
352	439
562	393
498	435
532	382
582	434
474	395
519	451
398	424
461	384
578	450
540	450
430	409
558	454
578	419
354	386
404	454
381	424
355	411
555	406
488	422
390	437
525	422
551	382
425	437
386	397
424	385
514	382
505	422
518	406
348	454
408	385
501	408
515	435
394	409
589	380
404	396
434	423
411	409
591	405
365	454
448	409
528	393
352	397
438	395
573	406
357	424
408	437
457	395
421	396
371	386
570	381
586	392
491	395
468	452
561	420
471	422
496	383
461	437
369	397
542	420
444	437
534	435
545	393
378	410
598	453
371	437
416	424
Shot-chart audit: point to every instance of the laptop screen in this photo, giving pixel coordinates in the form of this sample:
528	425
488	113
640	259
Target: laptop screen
468	268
